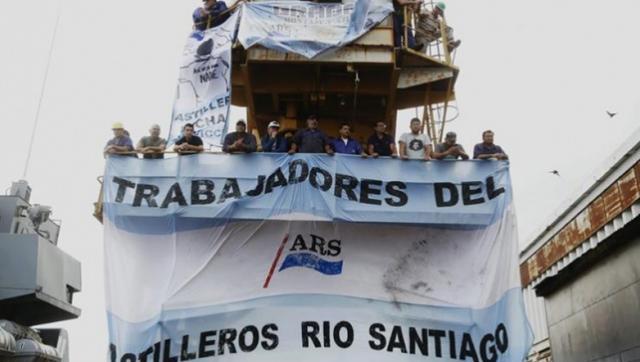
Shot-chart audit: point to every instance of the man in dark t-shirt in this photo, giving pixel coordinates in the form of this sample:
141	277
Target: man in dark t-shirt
381	143
189	143
311	139
239	141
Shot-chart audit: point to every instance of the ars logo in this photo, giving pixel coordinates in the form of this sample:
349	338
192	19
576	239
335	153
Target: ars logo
311	252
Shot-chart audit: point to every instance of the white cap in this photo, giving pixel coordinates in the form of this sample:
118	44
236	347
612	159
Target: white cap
274	124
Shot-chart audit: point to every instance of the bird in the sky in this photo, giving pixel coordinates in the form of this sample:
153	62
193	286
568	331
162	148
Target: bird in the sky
555	172
611	114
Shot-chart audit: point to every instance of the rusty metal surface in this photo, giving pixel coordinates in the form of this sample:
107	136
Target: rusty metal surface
612	202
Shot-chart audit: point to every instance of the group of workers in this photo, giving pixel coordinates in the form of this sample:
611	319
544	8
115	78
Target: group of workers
412	145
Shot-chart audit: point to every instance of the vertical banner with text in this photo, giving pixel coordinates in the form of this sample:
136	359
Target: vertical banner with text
203	96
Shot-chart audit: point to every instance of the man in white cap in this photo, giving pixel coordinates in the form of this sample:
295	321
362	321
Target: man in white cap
152	146
272	141
121	143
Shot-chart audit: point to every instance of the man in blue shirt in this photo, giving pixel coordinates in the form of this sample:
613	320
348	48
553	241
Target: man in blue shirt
272	141
487	150
345	144
210	15
120	143
311	139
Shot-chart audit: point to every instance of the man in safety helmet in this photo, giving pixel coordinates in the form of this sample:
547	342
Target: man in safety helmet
428	27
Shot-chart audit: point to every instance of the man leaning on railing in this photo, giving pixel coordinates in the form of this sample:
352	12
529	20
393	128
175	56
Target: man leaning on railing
487	150
450	149
239	141
273	141
121	143
415	145
189	143
152	146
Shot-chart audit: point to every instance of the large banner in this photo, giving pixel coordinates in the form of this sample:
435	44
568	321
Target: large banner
309	28
203	95
198	270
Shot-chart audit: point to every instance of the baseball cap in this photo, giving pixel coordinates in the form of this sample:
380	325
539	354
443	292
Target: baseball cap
274	124
117	125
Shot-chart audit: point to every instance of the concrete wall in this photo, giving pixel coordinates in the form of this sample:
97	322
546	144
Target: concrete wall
596	317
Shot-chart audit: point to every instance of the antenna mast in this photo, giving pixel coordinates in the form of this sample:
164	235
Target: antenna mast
42	90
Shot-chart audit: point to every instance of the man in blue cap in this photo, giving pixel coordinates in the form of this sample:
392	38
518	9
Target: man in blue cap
210	14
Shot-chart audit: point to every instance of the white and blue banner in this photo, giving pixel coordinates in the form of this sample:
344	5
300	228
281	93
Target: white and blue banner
358	260
203	96
309	28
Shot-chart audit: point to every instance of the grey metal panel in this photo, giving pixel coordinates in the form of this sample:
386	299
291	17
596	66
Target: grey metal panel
534	306
35	277
632	355
596	317
8	206
18	265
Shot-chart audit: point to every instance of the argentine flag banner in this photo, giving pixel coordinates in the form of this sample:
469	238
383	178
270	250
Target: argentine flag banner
279	258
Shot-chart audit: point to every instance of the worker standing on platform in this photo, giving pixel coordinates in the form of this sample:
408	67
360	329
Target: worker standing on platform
152	146
239	141
311	139
210	14
273	141
189	143
428	27
381	143
345	144
487	150
415	145
450	149
120	143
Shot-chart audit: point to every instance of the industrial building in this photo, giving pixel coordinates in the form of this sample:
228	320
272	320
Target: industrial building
581	274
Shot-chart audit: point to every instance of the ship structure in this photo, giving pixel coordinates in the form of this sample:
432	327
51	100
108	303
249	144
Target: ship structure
315	256
366	81
37	281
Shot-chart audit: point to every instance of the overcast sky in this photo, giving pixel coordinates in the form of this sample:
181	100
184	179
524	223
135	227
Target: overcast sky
541	74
